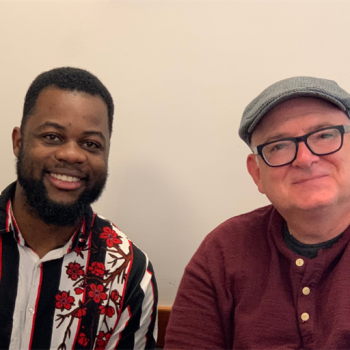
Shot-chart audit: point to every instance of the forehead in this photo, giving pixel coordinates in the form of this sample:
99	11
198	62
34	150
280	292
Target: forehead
73	106
298	115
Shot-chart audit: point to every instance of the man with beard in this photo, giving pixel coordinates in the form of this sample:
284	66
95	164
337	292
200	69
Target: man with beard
69	279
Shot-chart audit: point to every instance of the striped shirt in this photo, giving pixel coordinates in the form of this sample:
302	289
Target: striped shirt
96	292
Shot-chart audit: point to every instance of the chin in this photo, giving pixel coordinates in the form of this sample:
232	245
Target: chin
65	198
315	197
305	202
63	201
315	204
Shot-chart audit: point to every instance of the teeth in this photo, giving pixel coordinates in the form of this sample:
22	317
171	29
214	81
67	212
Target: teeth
65	177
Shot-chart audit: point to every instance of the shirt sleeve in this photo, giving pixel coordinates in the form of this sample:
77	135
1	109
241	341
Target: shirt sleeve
136	328
195	321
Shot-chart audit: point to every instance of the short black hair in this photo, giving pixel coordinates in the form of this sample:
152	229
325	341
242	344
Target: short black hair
71	79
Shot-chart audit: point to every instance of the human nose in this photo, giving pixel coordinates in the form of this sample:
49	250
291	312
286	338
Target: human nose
304	157
71	153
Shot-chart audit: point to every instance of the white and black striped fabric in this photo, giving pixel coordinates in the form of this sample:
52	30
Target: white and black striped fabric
96	292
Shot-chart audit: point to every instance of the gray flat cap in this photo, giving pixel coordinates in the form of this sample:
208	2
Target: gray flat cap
285	90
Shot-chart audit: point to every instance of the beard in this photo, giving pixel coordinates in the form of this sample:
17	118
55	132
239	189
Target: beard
49	211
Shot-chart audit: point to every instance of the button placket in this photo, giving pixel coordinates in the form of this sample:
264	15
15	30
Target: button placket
306	290
308	274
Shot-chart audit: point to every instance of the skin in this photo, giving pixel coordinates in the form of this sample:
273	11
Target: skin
66	135
312	193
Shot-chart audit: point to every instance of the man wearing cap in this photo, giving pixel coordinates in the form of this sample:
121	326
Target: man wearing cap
279	277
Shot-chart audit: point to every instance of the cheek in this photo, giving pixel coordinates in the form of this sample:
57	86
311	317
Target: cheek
35	160
337	164
272	180
34	152
99	165
26	165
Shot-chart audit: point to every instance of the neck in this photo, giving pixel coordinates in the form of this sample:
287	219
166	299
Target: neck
317	226
41	237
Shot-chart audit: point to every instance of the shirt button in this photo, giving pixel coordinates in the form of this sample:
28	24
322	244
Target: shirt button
306	290
299	262
31	311
305	316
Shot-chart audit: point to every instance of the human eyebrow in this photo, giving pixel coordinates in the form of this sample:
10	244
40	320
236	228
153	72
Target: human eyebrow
320	126
278	137
51	124
286	135
63	128
95	133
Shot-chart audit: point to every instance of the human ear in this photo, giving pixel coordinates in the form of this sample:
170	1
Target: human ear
16	140
254	171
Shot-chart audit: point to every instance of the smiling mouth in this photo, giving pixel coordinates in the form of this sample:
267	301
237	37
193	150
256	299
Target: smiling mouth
65	177
308	179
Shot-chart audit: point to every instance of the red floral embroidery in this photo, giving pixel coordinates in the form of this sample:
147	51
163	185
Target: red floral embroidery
93	284
97	268
102	340
64	301
82	339
78	290
115	295
110	236
74	270
80	313
97	292
108	310
79	251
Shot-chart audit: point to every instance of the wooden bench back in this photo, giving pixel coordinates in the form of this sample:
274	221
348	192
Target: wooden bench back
163	319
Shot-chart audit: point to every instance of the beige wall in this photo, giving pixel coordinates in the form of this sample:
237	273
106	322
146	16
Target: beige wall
181	73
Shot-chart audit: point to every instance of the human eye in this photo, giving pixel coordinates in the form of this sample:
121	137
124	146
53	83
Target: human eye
52	138
92	146
277	147
325	135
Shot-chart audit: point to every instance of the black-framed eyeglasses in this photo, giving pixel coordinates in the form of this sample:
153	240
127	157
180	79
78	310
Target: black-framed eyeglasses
320	142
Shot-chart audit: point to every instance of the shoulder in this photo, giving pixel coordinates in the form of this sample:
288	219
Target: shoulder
122	274
111	235
245	225
119	245
239	237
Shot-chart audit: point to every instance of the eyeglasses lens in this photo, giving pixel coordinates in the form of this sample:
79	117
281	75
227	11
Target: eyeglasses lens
320	143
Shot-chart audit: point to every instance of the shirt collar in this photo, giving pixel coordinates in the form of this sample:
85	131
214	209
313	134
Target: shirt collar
8	222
